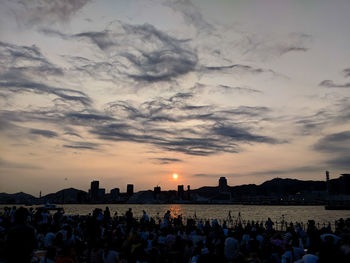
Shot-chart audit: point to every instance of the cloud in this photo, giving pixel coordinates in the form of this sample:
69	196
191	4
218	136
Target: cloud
44	133
25	61
82	146
346	72
337	143
315	122
215	175
240	134
38	88
175	124
83	119
342	162
191	14
165	160
34	12
262	47
239	68
4	164
330	84
145	53
226	88
24	69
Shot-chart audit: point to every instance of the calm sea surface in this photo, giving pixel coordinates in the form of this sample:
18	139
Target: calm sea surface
220	212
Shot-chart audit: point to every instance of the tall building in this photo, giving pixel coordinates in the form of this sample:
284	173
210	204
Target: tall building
94	193
180	191
222	184
130	189
115	193
101	194
188	194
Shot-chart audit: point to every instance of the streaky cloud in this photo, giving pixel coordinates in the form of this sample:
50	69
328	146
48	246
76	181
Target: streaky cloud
39	88
330	84
239	89
337	143
346	72
165	160
4	164
44	133
82	146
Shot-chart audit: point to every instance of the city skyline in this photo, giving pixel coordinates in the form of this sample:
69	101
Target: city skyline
132	92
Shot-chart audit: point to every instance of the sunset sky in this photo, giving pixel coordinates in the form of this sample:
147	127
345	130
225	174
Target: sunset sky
133	91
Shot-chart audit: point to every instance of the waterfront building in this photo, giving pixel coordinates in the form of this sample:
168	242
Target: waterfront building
93	192
222	184
180	192
129	189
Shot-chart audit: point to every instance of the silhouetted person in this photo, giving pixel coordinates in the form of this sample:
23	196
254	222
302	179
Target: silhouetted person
107	214
20	241
129	215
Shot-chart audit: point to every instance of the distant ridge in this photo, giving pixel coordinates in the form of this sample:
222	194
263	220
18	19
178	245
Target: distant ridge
275	186
20	197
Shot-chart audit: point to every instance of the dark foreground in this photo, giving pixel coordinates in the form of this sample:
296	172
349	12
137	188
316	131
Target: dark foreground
37	236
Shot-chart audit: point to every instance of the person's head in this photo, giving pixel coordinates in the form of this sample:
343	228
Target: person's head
21	215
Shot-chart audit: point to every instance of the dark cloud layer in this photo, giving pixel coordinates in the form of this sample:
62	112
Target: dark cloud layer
145	53
337	146
346	72
82	146
25	69
166	124
44	133
334	143
330	84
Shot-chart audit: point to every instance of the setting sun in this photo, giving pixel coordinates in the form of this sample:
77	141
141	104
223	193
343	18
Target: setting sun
175	176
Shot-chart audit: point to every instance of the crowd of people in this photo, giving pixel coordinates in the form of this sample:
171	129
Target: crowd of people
38	236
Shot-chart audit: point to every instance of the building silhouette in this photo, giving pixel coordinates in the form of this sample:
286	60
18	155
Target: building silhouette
115	193
96	194
129	189
222	184
93	192
188	193
180	192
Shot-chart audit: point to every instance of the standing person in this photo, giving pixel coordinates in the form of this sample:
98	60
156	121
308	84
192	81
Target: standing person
20	241
145	217
167	218
269	224
107	214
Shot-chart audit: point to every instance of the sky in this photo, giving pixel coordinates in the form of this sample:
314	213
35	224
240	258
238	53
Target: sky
132	91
